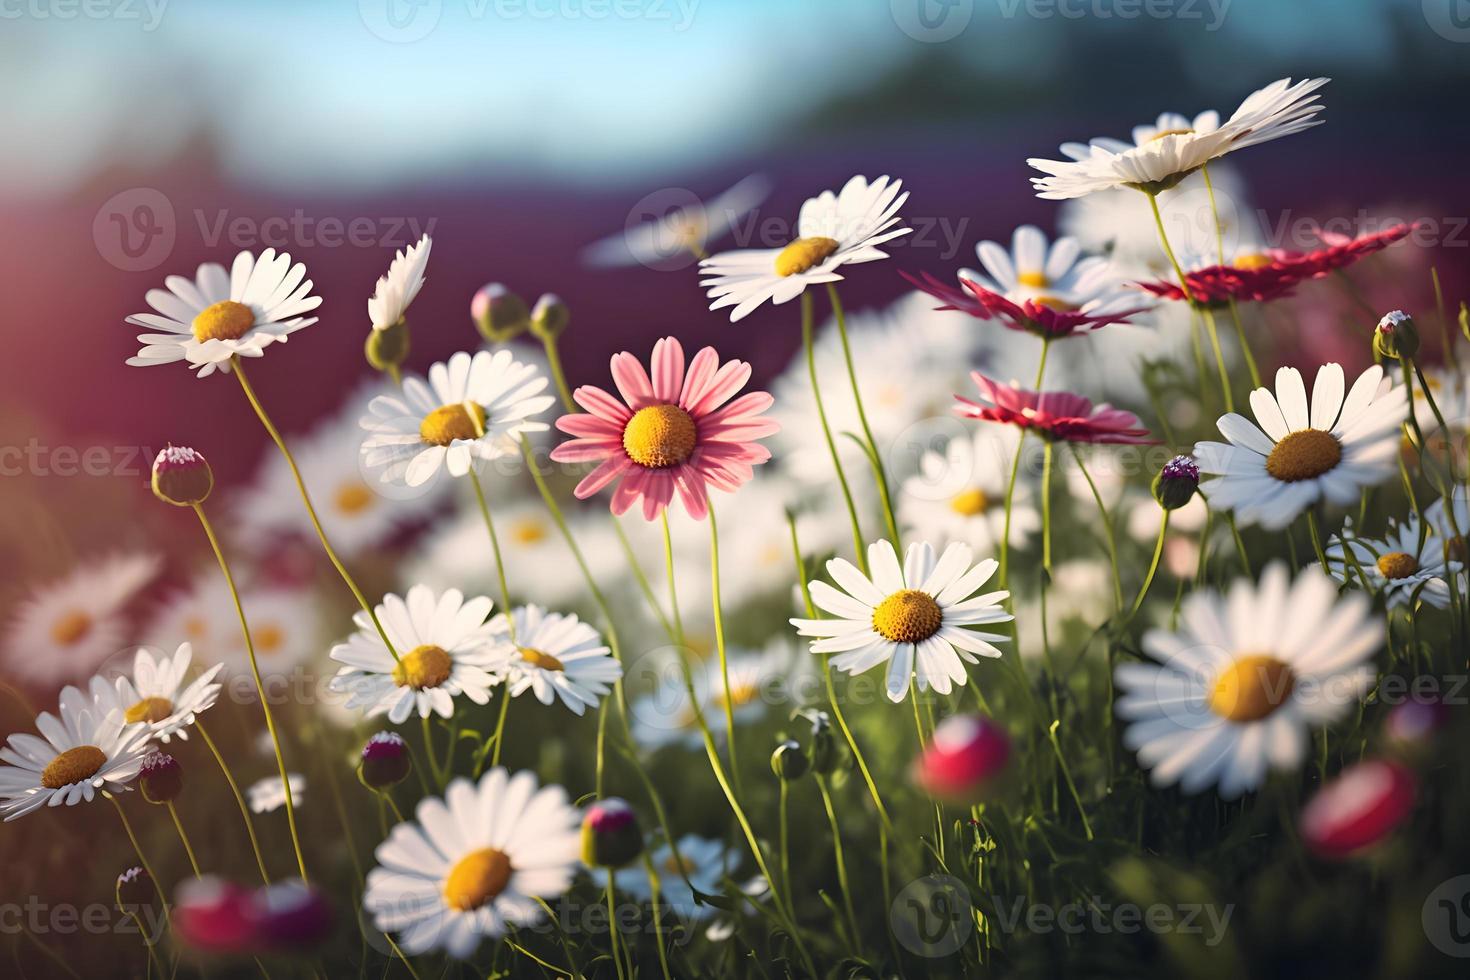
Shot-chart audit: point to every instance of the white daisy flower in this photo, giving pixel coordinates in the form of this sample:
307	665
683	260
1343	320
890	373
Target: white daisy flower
1398	565
445	649
1294	457
64	630
285	626
681	232
555	656
1163	154
356	509
1451	525
1050	273
472	408
959	494
833	230
269	794
218	315
396	290
81	750
760	680
1245	679
705	863
474	863
155	693
912	617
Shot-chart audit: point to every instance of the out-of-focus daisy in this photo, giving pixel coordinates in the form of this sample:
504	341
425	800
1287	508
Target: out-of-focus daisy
269	794
703	862
1245	679
911	617
472	408
555	656
66	628
445	649
219	315
81	750
285	626
683	431
473	864
1451	525
681	232
1163	154
832	230
397	289
1399	565
1056	415
959	494
356	509
156	694
1295	456
761	681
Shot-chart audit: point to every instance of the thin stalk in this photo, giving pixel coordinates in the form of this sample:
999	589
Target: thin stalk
1153	567
173	812
714	559
1108	529
500	727
837	856
655	887
239	801
495	548
811	367
558	374
879	472
614	937
142	858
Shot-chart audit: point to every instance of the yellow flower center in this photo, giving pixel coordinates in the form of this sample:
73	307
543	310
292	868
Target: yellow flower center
443	425
477	878
225	320
1397	564
660	436
1034	280
907	616
269	638
71	627
423	666
73	766
740	694
537	658
353	498
1256	260
804	253
1252	688
195	628
1304	454
149	710
528	530
1054	303
676	865
970	503
1170	132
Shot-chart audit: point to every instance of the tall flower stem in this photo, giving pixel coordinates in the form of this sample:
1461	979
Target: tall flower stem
270	428
265	705
1005	536
811	369
1317	538
500	726
1048	452
655	888
495	548
1245	347
880	472
714	562
1153	567
239	800
1108	530
558	374
173	812
1214	332
847	906
614	937
142	858
1153	203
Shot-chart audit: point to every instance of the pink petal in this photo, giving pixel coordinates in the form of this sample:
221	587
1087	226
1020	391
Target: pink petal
601	477
691	492
632	380
668	369
601	404
701	372
589	425
750	403
730	379
580	450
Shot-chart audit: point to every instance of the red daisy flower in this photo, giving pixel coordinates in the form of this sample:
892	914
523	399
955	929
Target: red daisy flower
1044	316
1057	415
679	432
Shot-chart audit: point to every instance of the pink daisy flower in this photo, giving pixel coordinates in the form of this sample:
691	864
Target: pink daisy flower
679	431
1057	415
1044	316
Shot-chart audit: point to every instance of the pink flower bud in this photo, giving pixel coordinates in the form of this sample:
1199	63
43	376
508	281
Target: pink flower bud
1359	808
961	763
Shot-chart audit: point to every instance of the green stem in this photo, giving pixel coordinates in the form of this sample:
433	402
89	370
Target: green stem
1153	567
239	801
495	548
558	375
714	559
655	886
1108	529
1214	332
880	473
837	856
142	859
500	726
811	367
173	812
614	938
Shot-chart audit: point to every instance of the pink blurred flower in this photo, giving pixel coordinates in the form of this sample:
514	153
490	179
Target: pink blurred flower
1041	316
1056	415
217	916
966	755
679	432
1358	809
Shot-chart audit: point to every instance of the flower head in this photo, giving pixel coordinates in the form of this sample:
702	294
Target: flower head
385	762
181	476
160	778
1360	808
1055	415
555	656
397	289
158	694
675	236
269	794
611	836
1044	316
677	433
1406	569
964	758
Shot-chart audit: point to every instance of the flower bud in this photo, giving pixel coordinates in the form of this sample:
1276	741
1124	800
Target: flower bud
181	476
962	762
550	317
1358	809
134	888
161	778
290	916
387	348
1396	336
385	761
213	915
789	762
823	752
611	837
499	314
1176	483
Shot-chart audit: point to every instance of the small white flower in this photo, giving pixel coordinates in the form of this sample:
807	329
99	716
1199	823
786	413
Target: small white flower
683	231
84	750
473	864
445	649
1245	679
833	230
760	681
555	656
396	290
705	863
269	794
960	494
1053	274
472	408
219	315
156	695
1295	456
1399	565
912	618
285	625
